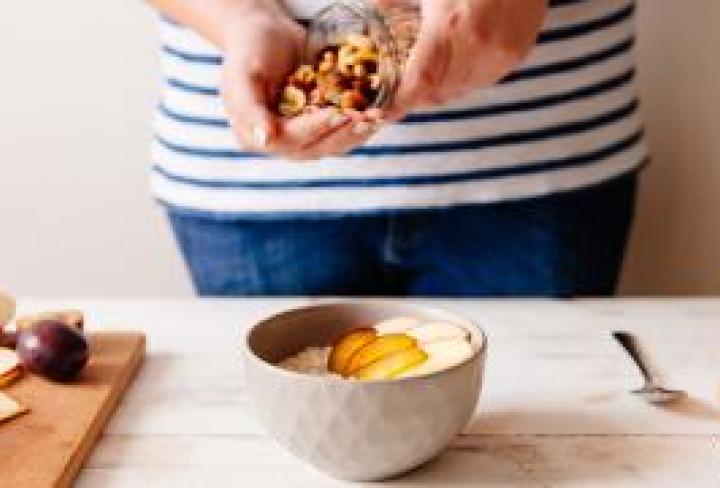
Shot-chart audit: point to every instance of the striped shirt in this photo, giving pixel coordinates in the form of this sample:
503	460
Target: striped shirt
566	119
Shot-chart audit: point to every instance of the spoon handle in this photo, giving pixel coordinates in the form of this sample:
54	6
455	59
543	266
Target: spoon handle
631	345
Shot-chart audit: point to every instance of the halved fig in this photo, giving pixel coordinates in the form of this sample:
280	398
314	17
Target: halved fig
392	365
70	317
382	346
10	408
346	345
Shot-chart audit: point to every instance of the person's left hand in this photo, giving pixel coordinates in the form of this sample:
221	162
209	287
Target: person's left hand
464	45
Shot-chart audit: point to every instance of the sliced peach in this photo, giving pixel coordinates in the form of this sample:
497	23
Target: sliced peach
382	346
442	355
347	345
392	365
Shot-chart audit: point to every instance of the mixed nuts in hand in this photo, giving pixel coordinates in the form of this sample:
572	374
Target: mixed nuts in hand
344	75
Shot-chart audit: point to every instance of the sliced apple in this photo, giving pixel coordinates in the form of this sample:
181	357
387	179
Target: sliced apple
10	366
382	346
347	345
396	325
7	309
10	408
392	365
438	331
441	355
70	317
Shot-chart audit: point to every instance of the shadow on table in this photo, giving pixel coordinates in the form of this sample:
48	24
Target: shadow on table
480	459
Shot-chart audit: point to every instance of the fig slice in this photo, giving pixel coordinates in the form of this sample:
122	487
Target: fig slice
377	349
10	366
70	317
346	345
10	408
392	365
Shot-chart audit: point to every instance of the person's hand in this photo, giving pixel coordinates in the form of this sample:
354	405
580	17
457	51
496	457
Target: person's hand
463	45
261	46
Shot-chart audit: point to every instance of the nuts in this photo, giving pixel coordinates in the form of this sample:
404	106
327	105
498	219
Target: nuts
344	75
293	101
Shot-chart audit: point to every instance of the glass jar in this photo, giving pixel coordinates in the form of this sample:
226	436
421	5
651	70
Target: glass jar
392	30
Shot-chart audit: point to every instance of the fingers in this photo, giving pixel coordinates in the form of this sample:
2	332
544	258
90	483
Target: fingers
247	100
361	127
299	135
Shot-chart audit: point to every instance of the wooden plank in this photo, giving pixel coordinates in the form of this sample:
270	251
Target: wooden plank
47	447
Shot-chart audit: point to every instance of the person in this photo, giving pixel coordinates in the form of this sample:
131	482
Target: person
507	164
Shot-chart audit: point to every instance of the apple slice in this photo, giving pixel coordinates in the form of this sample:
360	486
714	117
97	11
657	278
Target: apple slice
438	331
7	309
347	345
396	325
392	365
441	355
10	408
10	366
70	317
382	346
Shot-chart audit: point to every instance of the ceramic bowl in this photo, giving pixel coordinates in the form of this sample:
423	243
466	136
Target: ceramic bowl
355	430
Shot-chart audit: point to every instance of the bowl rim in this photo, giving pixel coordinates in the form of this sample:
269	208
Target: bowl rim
252	356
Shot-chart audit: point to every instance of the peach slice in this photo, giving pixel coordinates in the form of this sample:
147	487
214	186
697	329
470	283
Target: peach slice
10	366
9	408
441	355
382	346
392	365
347	345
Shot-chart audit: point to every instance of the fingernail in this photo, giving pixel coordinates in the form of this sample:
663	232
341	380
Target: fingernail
260	136
336	120
363	127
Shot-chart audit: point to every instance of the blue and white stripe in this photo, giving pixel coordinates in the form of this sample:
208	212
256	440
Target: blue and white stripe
568	118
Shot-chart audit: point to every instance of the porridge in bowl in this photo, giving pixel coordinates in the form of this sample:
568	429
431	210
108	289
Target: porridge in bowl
394	348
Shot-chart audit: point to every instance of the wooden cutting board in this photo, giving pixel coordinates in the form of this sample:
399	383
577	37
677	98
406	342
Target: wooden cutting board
47	446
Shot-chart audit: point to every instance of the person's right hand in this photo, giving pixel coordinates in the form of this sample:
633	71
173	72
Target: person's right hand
261	46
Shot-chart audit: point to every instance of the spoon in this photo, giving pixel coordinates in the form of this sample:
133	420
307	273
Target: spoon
652	392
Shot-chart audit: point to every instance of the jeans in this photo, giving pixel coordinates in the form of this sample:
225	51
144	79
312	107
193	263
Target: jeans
562	245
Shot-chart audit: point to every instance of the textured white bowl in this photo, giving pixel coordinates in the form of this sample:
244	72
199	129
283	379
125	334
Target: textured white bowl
353	430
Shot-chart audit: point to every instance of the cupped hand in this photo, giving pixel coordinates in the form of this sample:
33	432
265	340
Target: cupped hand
261	46
464	45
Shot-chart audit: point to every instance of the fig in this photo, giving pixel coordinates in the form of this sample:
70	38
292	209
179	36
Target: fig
54	350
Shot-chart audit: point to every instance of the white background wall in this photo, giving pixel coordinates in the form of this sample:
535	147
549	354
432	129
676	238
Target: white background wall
78	88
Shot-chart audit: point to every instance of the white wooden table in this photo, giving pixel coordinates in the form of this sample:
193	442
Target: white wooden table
554	410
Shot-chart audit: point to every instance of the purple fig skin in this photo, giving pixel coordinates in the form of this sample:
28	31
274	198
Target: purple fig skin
8	339
53	350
